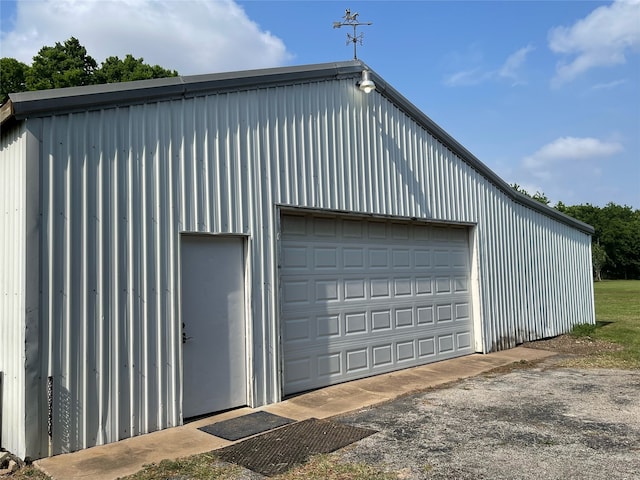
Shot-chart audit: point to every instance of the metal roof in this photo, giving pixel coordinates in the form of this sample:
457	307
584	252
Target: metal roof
47	102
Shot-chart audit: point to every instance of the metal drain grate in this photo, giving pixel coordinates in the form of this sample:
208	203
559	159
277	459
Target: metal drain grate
279	450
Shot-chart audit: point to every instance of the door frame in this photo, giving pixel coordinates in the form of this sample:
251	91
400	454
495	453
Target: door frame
248	315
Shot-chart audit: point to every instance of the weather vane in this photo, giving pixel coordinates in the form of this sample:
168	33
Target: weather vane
351	20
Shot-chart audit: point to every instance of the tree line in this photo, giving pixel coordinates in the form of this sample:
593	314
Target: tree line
68	64
616	241
615	247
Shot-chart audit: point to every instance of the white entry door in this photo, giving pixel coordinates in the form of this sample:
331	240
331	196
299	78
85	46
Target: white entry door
214	356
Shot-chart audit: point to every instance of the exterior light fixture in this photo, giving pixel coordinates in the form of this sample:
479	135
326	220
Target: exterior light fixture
366	84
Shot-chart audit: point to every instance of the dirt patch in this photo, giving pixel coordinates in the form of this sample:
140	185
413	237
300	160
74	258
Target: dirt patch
575	345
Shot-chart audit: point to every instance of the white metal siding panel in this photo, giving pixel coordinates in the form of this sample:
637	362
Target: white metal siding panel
12	287
119	184
109	300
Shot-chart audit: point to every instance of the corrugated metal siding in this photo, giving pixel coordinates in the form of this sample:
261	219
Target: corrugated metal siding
12	287
120	184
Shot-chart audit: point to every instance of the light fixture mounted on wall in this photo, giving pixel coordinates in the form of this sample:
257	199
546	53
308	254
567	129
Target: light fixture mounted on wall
366	84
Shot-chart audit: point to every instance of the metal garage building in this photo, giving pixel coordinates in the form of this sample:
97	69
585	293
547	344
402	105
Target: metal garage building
174	247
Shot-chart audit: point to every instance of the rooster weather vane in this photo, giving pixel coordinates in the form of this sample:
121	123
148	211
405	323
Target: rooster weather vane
351	20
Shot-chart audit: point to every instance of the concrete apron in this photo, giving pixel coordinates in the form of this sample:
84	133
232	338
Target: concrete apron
107	462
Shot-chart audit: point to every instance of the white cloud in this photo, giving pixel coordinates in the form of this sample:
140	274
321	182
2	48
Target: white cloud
609	85
191	36
466	78
567	149
601	39
510	69
567	167
512	66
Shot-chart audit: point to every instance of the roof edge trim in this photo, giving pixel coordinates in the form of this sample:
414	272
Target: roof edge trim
43	102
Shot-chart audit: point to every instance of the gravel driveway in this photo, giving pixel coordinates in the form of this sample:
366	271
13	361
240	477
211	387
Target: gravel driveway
537	423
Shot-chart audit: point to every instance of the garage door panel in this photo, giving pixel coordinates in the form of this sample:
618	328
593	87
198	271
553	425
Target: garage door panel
382	355
405	351
460	284
425	315
353	258
440	234
427	347
463	340
379	288
335	330
325	258
354	289
296	258
298	370
329	364
361	297
443	285
379	316
357	360
442	259
327	326
321	344
458	235
306	368
378	258
445	343
324	227
352	229
403	318
401	258
297	330
424	285
297	290
326	292
355	323
462	311
381	321
402	287
422	258
443	314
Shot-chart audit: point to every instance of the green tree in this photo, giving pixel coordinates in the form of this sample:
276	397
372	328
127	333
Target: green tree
599	259
617	231
12	77
620	236
115	70
68	65
538	196
63	65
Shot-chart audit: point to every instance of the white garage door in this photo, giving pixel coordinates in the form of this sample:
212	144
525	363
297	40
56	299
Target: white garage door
362	297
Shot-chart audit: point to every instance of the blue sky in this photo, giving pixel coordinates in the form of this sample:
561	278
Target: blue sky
546	93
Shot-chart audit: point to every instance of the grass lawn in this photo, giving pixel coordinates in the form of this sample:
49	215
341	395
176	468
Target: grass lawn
618	321
205	466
